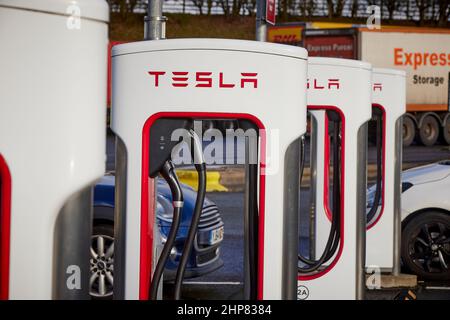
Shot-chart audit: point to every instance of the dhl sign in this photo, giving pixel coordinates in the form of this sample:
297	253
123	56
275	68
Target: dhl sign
289	34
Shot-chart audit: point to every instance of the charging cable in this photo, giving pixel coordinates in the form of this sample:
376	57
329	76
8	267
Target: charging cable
200	166
168	173
334	236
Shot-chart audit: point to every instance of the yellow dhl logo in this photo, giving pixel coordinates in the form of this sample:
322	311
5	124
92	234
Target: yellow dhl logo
284	34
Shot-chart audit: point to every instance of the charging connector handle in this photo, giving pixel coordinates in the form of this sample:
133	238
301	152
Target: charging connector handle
168	173
197	151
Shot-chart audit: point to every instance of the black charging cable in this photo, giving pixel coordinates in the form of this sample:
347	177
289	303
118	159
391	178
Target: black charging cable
168	173
334	235
379	144
200	166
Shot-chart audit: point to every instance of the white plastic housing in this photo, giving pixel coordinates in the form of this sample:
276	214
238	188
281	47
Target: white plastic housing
279	102
343	85
389	93
52	123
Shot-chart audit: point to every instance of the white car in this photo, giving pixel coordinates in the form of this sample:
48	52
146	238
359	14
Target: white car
425	220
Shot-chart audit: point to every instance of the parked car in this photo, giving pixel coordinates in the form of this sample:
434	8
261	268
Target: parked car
205	254
425	220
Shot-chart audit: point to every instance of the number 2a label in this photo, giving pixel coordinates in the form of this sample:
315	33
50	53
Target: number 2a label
302	293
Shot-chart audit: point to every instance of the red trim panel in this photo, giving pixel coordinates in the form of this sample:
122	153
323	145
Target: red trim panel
326	197
5	225
326	171
383	163
148	214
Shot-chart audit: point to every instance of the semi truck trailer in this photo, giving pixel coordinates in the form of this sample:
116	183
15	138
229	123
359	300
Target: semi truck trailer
424	53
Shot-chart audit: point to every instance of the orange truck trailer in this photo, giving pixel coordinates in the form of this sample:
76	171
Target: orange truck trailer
424	53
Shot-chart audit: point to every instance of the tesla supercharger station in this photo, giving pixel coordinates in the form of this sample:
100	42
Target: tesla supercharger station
159	86
339	102
388	103
52	143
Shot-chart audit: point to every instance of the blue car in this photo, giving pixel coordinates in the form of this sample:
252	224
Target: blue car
205	254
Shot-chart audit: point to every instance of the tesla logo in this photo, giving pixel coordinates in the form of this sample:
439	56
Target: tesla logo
377	86
204	79
322	85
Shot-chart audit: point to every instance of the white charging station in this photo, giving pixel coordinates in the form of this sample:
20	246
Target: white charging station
52	143
339	89
388	95
208	79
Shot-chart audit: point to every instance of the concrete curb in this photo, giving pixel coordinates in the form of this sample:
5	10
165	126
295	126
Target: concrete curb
231	179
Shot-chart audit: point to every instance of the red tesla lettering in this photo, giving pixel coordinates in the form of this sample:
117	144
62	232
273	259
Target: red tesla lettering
203	79
249	78
316	86
330	84
377	86
156	74
333	83
222	84
179	79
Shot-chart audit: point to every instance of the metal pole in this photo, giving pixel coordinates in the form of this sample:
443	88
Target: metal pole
361	222
155	22
261	24
247	275
397	198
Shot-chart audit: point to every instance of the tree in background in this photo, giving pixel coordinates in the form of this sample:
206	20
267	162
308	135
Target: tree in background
422	6
224	4
307	8
335	8
354	8
126	7
209	4
444	12
392	6
199	5
429	12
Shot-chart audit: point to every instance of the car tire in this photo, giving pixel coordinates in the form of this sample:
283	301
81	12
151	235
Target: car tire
102	260
425	245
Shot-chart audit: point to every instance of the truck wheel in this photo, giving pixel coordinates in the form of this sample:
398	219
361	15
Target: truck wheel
446	131
409	130
429	131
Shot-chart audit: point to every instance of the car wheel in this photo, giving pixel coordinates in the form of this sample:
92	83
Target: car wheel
426	245
102	262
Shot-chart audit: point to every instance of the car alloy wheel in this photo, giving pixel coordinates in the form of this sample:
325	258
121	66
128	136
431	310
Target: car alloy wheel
430	248
102	266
